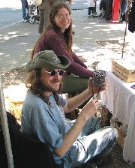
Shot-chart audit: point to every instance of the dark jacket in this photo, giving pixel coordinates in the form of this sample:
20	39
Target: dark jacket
27	153
131	25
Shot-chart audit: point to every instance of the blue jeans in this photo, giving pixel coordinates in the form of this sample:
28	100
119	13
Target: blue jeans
91	10
123	7
91	143
25	9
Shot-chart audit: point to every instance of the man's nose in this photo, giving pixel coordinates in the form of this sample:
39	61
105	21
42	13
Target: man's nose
57	76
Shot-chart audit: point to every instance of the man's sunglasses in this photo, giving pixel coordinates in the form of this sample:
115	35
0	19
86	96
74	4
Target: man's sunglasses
53	72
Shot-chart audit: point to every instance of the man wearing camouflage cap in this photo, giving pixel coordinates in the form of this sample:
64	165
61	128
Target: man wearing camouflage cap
43	115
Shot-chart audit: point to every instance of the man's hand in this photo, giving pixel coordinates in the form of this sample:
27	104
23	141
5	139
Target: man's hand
94	89
90	109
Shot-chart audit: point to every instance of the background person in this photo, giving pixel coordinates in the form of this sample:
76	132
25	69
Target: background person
131	25
43	115
58	37
102	8
91	7
44	9
25	10
123	8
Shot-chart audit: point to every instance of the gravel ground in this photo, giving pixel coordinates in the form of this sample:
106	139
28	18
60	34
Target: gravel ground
13	77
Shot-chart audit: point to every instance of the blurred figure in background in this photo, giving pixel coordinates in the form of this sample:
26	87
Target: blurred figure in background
106	9
108	13
102	8
123	10
44	10
25	10
91	7
131	26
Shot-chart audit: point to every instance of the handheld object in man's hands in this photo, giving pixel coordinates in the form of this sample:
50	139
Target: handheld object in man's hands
98	78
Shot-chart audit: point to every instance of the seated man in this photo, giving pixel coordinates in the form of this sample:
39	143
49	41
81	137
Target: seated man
43	114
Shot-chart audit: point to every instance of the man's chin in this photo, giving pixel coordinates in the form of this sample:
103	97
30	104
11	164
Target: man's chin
54	89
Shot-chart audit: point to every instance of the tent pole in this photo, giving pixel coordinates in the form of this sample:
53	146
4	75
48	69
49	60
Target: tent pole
4	123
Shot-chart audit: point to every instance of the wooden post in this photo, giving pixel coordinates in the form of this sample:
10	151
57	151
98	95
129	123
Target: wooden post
4	123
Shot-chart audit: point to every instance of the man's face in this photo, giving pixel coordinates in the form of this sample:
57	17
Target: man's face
51	79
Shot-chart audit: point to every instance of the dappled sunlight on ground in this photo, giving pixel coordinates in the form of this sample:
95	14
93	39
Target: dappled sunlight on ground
14	97
15	92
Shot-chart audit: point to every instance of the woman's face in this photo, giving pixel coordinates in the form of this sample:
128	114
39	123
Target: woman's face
62	19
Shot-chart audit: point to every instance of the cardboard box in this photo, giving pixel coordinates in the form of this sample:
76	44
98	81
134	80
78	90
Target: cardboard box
124	70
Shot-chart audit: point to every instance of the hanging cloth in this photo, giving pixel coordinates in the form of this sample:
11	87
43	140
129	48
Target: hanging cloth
131	25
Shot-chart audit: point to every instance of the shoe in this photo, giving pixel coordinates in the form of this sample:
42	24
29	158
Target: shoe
89	16
100	15
25	20
95	15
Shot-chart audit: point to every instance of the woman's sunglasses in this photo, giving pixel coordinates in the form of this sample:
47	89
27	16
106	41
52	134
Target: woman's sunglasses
53	72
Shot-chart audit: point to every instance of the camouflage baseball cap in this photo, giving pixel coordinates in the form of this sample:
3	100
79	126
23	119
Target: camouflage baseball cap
47	59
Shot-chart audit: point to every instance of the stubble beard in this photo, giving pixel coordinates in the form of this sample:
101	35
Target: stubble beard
51	89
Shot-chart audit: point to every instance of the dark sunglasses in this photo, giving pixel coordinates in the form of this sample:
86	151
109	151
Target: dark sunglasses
53	72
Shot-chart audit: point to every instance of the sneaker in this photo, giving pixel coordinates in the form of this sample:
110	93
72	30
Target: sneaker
25	20
89	16
100	15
